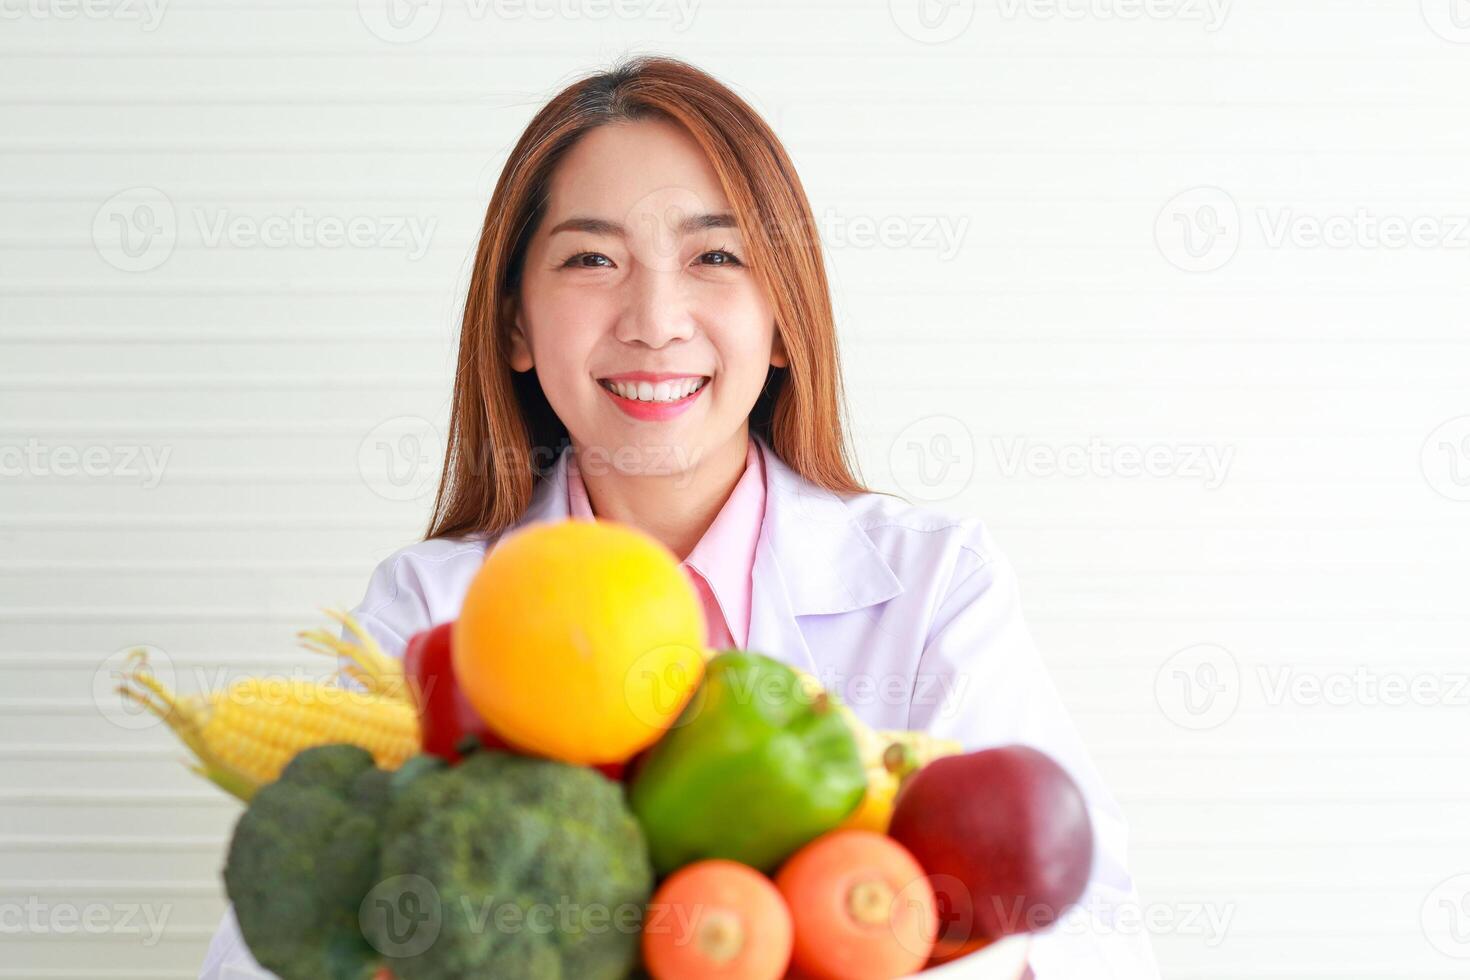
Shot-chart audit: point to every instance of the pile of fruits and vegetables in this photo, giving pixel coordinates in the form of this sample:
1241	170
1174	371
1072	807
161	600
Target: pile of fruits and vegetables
564	783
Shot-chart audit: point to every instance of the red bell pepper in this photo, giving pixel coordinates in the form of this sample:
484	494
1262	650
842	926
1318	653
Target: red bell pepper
446	717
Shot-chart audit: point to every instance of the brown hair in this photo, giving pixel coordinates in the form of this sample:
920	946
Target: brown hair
503	434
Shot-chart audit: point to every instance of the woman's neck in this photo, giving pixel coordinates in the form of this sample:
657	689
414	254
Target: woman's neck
677	507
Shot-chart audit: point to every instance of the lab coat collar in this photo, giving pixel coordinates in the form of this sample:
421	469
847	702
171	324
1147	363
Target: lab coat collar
830	563
812	557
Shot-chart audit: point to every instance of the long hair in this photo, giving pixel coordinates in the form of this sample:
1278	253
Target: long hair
503	434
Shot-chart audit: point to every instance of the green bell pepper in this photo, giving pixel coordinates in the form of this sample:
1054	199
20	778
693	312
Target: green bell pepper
753	768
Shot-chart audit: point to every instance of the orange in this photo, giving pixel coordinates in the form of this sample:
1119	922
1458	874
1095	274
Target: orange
579	640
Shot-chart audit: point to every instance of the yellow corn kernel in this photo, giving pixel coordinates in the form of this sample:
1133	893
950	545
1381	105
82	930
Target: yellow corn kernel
263	722
245	735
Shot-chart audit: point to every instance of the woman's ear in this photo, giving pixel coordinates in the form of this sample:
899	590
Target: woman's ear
520	344
778	351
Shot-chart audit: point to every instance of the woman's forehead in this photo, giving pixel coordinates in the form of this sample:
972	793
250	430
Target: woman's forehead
630	173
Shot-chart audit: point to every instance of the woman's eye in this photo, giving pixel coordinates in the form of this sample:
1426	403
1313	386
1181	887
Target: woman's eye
596	260
577	260
729	257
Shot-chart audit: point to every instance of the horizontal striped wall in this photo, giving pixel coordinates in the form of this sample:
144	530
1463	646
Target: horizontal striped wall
1227	239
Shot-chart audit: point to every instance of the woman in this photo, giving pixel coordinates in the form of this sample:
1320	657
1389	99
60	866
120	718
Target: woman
648	338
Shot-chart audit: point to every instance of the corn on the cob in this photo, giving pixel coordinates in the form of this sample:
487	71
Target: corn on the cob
242	737
367	663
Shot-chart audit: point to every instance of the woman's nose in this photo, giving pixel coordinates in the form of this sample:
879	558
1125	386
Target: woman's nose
658	311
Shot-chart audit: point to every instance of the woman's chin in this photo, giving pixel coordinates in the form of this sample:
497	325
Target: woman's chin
639	454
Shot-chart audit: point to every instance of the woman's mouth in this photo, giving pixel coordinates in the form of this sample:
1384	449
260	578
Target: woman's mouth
654	400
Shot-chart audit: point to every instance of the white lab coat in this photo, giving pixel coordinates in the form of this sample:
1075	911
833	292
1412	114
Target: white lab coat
911	614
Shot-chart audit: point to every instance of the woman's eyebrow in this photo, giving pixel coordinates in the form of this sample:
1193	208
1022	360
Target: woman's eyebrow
602	226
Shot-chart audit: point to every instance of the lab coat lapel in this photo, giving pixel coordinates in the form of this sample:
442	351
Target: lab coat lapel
774	630
812	559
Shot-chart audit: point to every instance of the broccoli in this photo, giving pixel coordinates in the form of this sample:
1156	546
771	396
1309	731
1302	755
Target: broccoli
515	867
302	858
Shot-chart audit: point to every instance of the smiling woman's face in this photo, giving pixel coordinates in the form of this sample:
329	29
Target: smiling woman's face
635	287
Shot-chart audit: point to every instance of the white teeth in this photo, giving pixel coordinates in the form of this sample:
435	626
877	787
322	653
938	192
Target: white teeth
664	391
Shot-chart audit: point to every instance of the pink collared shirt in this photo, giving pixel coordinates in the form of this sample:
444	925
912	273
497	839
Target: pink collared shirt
720	565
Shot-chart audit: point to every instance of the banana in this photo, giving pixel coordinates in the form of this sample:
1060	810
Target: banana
889	755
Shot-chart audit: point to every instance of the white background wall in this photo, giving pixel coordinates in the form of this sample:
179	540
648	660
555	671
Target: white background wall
1186	614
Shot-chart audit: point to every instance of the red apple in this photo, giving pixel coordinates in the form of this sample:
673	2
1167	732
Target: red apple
1004	836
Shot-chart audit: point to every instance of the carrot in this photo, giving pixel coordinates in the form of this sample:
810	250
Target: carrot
717	919
862	907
